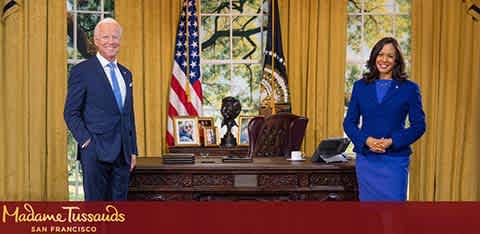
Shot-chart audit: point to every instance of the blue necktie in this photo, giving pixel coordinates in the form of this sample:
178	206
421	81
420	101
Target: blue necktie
115	86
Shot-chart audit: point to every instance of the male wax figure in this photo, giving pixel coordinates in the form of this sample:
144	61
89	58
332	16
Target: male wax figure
99	113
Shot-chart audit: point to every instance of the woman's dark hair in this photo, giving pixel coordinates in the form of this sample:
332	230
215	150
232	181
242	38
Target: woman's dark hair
399	68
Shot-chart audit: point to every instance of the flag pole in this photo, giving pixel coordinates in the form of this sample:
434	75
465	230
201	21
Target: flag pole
187	50
272	74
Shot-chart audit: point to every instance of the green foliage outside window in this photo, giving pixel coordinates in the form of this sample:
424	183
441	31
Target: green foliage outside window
232	35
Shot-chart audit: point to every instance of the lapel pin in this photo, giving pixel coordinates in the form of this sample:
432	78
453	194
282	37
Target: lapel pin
130	84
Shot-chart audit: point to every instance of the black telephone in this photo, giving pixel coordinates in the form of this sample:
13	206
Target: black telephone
330	147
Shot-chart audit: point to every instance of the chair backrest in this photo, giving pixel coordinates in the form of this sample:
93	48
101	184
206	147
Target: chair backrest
275	135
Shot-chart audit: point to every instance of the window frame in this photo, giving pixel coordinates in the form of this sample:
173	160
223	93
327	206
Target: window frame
232	62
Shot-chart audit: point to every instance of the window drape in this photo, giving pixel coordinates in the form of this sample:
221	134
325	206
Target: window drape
446	64
33	162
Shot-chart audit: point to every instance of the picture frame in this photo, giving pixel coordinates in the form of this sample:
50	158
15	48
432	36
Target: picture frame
211	136
206	121
185	129
242	136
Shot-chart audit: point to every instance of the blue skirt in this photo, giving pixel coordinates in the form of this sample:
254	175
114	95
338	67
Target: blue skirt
382	177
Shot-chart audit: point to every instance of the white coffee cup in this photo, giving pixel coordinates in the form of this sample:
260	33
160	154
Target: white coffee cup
297	155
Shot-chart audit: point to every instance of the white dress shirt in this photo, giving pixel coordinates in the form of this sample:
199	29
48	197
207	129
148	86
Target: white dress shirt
121	81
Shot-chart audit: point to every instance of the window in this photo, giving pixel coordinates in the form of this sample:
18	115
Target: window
368	22
232	41
82	16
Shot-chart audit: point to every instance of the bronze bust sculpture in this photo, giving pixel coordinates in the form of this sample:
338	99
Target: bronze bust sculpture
231	108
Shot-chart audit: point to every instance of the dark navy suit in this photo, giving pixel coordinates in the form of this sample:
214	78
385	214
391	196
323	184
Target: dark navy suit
91	113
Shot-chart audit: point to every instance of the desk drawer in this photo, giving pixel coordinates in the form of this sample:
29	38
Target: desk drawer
346	181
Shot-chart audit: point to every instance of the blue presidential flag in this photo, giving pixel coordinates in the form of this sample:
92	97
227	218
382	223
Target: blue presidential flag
274	84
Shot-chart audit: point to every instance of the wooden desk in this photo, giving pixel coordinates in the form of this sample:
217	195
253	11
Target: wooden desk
264	179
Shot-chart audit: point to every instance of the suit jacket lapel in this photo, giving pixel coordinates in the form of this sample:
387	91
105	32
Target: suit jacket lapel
371	93
128	88
392	91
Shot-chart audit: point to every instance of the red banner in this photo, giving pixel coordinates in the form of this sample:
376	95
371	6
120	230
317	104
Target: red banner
239	217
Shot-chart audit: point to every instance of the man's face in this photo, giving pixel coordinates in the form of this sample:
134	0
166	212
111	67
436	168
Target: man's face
188	127
107	40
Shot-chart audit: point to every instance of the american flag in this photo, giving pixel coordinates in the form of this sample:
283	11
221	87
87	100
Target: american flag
186	96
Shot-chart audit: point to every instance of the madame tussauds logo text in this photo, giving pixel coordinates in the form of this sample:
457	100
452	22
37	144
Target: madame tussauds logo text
71	214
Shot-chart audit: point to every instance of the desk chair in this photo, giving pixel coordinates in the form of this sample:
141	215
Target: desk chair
275	135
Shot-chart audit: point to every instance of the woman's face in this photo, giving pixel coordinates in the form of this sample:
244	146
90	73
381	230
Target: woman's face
386	61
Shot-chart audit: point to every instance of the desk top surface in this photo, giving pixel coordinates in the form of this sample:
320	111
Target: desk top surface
215	163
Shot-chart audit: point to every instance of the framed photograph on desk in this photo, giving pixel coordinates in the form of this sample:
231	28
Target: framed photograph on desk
243	130
206	122
186	131
210	135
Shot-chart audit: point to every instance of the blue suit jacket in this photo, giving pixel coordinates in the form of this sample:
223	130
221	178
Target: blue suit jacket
386	119
91	112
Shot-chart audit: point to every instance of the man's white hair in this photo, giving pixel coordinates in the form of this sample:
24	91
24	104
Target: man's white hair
106	21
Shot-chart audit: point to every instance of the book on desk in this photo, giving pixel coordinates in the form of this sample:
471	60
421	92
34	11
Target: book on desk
178	158
236	159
